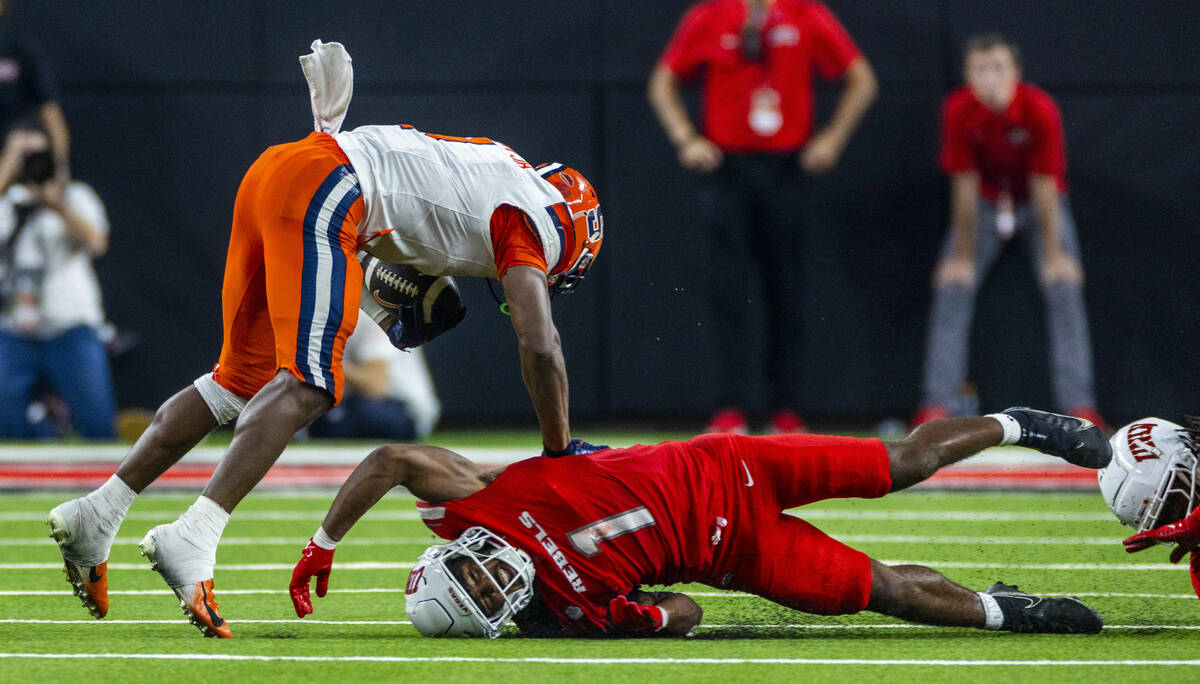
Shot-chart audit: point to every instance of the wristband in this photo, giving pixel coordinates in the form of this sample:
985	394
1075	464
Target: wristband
323	540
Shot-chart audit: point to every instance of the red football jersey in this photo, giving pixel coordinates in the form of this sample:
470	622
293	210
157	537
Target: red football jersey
760	106
597	525
1004	147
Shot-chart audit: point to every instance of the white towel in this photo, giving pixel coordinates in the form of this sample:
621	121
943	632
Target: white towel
330	84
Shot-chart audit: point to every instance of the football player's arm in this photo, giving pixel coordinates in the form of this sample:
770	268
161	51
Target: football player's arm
82	213
958	266
1057	265
825	148
430	473
1185	533
681	612
695	151
55	123
542	366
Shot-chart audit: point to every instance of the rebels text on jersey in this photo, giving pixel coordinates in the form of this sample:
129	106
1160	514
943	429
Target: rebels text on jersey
597	525
429	199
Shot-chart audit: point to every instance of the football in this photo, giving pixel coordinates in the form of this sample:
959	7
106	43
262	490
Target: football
434	300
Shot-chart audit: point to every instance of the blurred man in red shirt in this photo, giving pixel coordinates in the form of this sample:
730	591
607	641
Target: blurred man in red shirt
1003	148
756	59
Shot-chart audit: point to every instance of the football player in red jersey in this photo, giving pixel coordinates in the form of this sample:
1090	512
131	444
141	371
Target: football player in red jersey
563	545
1151	485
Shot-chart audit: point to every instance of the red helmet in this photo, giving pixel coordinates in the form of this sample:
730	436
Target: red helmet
582	224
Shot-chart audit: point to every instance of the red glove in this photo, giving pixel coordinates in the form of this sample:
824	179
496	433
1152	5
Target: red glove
315	561
634	617
1194	571
1186	533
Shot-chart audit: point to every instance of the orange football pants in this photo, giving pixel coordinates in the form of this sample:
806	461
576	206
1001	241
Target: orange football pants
292	280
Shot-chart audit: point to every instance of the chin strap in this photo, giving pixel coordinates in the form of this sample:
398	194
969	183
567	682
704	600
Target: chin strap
503	304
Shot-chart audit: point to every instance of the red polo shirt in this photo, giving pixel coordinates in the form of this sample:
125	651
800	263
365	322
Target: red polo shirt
759	106
1004	147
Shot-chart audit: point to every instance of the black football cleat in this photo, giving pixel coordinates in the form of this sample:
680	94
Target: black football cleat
1025	614
1075	440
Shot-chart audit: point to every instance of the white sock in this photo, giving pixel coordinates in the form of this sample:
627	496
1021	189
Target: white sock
993	616
1012	429
112	501
207	520
323	540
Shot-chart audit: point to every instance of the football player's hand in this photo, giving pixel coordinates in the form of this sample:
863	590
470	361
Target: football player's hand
574	448
1060	267
635	617
315	562
821	153
955	270
699	153
1185	533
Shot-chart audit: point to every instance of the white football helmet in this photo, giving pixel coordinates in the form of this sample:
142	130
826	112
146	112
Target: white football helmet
1151	480
439	604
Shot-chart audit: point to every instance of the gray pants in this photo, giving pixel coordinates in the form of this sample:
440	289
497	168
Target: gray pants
1066	318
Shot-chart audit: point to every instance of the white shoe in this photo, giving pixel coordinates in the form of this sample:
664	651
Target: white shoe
188	570
174	555
84	545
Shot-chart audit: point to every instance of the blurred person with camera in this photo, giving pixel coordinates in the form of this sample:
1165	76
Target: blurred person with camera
50	303
29	94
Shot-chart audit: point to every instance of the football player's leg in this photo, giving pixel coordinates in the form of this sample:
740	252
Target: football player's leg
313	282
783	471
791	562
779	247
920	594
1067	326
20	361
77	366
724	207
950	314
939	443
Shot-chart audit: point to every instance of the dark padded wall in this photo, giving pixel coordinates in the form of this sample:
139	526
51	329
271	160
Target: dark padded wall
169	103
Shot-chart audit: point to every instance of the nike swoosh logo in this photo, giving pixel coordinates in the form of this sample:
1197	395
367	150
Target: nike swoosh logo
749	477
94	576
216	619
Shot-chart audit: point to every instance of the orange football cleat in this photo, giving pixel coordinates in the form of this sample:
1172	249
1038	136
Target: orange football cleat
90	585
200	607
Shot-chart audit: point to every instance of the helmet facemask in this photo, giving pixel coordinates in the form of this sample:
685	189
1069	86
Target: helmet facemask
1176	496
1154	474
441	570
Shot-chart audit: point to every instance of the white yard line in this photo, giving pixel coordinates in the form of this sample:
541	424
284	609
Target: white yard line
244	566
306	621
394	566
605	661
248	515
401	591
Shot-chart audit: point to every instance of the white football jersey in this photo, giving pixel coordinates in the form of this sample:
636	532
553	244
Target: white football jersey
428	199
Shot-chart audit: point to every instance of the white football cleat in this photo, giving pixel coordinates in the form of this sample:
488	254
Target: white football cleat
84	546
188	570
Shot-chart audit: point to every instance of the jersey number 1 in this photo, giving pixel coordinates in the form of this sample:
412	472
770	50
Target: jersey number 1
586	539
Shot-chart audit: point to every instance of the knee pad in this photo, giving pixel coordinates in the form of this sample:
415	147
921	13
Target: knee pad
225	405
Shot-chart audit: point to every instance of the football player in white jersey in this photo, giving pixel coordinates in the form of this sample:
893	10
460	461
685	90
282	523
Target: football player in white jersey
292	290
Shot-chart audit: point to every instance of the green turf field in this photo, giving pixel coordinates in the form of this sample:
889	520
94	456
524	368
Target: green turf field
1046	543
